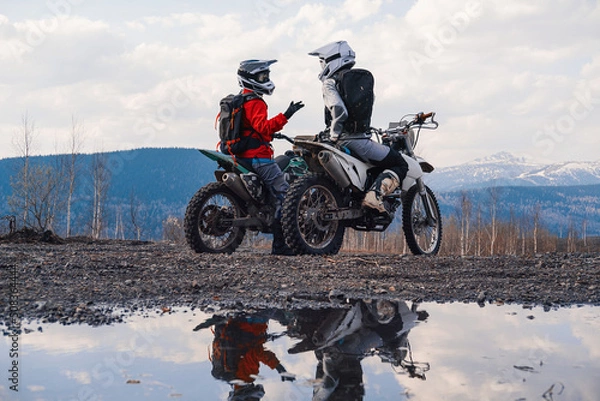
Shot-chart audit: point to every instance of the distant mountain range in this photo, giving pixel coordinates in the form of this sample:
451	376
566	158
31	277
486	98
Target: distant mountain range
161	182
504	169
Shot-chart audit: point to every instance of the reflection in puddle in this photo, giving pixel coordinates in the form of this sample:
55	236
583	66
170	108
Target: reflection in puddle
339	339
365	350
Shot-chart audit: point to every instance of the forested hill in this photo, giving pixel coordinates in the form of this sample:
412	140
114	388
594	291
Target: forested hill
561	208
159	182
155	184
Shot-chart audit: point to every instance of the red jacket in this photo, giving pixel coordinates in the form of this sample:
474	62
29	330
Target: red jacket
257	124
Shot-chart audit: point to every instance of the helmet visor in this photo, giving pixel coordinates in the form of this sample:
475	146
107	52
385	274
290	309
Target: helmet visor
262	77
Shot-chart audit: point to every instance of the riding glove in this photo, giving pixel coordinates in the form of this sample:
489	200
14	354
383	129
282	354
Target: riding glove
293	108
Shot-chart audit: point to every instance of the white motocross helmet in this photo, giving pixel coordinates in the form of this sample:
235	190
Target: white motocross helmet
334	56
254	75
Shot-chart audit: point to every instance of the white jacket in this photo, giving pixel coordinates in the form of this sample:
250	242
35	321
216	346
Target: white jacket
334	103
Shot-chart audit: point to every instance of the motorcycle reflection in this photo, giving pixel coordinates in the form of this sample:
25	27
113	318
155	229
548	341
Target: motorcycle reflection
339	337
238	349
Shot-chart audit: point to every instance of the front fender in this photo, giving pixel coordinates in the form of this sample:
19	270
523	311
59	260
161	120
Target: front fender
414	167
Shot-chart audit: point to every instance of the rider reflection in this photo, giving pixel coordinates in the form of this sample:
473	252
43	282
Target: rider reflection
238	349
341	338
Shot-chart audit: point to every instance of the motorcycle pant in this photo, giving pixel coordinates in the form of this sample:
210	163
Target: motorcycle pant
378	155
395	162
274	180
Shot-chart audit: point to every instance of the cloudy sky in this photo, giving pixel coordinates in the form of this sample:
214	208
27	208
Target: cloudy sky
502	75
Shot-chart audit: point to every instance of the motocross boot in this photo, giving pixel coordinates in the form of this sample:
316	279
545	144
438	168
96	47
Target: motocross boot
384	185
279	247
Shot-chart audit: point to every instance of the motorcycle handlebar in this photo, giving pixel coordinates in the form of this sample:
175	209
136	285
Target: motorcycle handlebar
419	119
279	135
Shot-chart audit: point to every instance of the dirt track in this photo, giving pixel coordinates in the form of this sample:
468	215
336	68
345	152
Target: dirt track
84	281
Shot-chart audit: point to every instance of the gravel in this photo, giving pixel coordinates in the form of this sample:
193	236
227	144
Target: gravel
101	282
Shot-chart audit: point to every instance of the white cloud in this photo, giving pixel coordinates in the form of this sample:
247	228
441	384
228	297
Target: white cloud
513	64
360	9
81	377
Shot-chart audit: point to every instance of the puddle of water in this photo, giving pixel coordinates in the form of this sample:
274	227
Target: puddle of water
369	351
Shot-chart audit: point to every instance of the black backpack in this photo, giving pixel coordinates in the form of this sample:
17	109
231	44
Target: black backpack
229	122
356	88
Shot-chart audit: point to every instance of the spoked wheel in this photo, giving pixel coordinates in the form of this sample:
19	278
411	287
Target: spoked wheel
423	235
304	223
208	220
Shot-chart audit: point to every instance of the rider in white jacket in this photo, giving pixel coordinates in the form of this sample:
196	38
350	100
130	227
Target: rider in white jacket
335	58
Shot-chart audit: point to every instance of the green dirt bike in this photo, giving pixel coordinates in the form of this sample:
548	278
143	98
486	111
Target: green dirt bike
218	215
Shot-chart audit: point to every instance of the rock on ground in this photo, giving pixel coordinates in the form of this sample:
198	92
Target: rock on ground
96	282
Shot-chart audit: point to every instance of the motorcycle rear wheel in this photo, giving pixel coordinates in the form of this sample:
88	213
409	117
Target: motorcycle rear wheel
305	204
422	237
208	218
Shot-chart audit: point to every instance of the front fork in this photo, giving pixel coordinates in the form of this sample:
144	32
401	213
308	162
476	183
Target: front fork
431	218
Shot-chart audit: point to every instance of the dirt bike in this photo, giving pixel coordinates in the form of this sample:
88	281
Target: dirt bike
342	338
320	205
218	215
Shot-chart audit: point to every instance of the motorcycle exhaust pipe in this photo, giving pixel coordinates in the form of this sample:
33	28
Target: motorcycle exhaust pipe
234	182
334	168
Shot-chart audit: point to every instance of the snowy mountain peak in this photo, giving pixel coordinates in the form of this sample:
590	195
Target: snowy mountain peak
505	169
503	157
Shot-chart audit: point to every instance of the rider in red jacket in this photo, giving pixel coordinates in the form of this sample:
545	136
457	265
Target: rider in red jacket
256	123
253	76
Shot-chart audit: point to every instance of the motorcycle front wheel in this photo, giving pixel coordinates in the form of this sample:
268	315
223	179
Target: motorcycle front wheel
208	220
305	226
423	235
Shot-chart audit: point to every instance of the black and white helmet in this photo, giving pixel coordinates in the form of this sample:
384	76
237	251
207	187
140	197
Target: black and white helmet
334	56
254	75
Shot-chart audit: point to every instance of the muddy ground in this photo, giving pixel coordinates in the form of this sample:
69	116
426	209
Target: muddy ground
100	282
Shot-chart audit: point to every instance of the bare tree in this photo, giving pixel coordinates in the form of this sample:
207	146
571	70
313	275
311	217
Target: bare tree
479	230
525	231
100	182
572	237
23	142
494	193
43	196
464	217
134	214
536	226
73	164
35	186
512	234
173	230
584	235
119	229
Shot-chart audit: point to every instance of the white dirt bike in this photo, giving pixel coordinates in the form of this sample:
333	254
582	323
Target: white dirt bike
320	205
